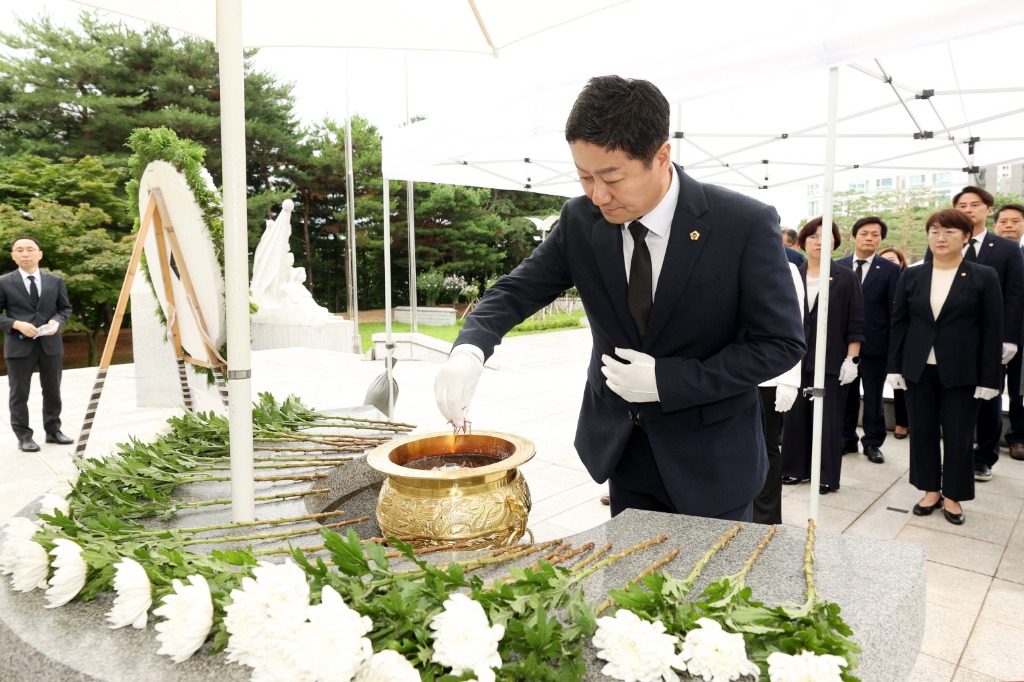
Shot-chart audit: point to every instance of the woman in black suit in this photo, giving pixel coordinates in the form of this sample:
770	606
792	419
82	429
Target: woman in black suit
945	350
844	334
899	396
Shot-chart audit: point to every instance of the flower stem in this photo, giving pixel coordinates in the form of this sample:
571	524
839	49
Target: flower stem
812	593
593	557
280	534
708	555
656	566
738	579
260	498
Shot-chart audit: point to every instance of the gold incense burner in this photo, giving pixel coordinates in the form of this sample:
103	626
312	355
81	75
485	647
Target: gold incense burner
443	487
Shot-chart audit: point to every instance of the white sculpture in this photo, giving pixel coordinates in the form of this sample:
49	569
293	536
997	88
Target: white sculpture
277	287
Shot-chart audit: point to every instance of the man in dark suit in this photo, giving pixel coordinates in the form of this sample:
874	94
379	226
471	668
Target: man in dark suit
878	278
1004	256
1008	222
33	307
789	241
690	303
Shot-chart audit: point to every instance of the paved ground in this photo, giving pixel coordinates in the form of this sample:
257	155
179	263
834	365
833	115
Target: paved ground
975	571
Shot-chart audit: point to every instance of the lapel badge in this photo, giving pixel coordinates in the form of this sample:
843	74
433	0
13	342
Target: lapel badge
695	235
963	274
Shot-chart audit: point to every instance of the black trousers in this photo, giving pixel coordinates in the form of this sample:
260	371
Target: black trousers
899	407
768	503
870	373
798	432
938	412
19	378
636	483
989	428
1013	376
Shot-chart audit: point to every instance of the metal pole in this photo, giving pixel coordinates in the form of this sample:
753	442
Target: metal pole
350	206
410	213
826	262
236	258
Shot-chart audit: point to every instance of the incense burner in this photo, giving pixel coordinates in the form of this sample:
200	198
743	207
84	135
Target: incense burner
442	488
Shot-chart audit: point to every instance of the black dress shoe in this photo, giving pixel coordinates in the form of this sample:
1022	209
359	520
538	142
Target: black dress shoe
900	436
826	489
874	454
59	438
792	480
850	446
921	510
955	519
28	445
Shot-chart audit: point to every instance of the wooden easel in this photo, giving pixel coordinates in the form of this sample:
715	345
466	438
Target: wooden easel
156	215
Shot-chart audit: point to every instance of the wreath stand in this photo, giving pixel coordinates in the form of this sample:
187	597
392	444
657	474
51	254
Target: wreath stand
156	215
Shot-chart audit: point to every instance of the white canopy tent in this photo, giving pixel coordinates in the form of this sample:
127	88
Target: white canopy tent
547	52
774	123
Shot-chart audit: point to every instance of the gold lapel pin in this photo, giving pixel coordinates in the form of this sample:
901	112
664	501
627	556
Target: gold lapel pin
963	274
695	235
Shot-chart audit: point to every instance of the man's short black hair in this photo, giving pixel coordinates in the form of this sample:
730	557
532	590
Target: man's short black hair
871	220
1013	207
989	200
620	113
31	239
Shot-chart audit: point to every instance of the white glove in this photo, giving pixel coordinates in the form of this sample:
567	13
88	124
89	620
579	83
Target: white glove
455	384
982	393
785	396
1009	350
896	381
848	372
634	382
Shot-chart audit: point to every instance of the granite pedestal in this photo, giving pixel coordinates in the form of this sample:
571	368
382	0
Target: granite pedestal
879	584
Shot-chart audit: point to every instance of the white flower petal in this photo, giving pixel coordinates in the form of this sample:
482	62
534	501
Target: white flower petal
69	577
188	614
134	595
636	650
27	562
805	667
49	503
716	655
387	666
464	640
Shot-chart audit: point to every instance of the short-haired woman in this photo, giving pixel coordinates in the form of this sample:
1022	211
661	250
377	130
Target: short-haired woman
945	349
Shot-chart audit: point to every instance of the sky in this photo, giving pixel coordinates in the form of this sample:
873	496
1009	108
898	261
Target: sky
320	74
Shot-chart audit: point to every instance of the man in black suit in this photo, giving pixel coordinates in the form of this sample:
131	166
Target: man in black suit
878	278
33	307
1004	256
1008	222
690	303
789	241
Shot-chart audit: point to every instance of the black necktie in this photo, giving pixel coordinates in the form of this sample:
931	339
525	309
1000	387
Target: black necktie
969	254
33	292
640	278
860	270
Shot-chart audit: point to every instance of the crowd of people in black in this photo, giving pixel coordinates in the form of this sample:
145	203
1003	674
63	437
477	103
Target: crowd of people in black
944	333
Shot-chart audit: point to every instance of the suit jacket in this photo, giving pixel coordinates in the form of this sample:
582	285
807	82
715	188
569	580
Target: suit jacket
967	335
845	318
725	318
15	305
1005	257
879	289
795	257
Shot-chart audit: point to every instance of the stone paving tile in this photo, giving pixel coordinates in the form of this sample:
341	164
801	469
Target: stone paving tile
995	650
957	589
945	633
952	550
930	669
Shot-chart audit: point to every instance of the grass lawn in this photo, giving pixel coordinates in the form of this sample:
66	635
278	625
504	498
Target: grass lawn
531	326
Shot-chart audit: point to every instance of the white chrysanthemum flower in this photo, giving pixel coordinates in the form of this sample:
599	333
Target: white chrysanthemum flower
188	614
50	503
334	646
68	473
387	666
19	527
465	640
27	562
272	604
69	577
637	650
134	595
805	667
716	655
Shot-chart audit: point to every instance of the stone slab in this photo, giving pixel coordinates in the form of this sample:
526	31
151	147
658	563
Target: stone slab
879	584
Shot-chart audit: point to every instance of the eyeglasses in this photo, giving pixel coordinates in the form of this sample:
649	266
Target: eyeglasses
29	250
813	237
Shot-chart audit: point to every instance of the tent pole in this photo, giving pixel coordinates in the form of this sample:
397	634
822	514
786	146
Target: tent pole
389	345
411	222
236	257
828	189
350	218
